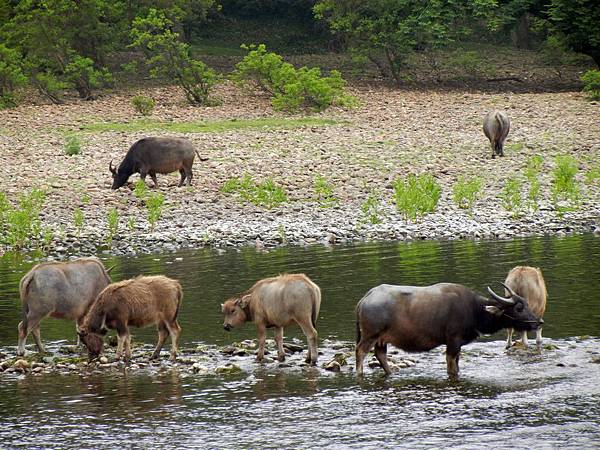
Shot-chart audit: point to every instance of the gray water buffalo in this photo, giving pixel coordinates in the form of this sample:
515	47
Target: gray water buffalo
418	319
276	303
58	289
139	302
496	127
528	283
153	155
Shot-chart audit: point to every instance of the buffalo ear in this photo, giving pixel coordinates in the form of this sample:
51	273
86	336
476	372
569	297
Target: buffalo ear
222	307
245	300
494	310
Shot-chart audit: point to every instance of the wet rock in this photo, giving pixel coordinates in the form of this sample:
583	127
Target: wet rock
333	366
103	360
21	365
294	348
228	369
229	350
200	369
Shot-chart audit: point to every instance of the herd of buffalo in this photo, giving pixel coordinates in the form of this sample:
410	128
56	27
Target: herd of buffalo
152	155
414	319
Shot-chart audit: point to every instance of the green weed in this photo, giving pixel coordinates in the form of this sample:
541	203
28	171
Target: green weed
72	145
140	190
465	192
112	224
143	105
78	220
417	195
511	196
324	192
266	193
370	209
564	186
154	205
532	173
21	226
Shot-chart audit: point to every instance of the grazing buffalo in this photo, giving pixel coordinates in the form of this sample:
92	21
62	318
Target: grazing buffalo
277	302
528	283
418	319
140	302
58	289
496	127
153	155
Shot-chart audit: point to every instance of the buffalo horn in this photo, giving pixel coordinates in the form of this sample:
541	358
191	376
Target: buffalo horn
111	268
501	300
110	167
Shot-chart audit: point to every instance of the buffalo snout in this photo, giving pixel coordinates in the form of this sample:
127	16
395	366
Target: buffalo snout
227	327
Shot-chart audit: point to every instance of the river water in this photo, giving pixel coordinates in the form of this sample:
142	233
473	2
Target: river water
519	398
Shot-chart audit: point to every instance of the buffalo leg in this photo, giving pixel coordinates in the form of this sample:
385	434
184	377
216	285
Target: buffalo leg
362	348
261	342
127	347
29	326
381	355
509	333
190	175
154	180
311	336
37	338
538	337
524	339
23	332
183	175
279	341
120	343
162	336
452	357
174	331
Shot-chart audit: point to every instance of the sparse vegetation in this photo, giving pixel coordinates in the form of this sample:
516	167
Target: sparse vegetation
532	173
416	195
21	226
511	196
154	205
324	192
78	220
140	190
266	193
112	225
591	80
564	186
72	145
143	105
370	209
466	191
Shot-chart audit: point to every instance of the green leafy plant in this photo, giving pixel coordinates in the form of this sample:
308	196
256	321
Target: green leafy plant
78	220
564	186
291	89
532	173
324	192
112	224
370	209
592	176
143	105
72	145
86	78
154	205
131	224
416	195
85	199
591	80
140	190
468	63
466	191
511	196
11	75
266	193
21	226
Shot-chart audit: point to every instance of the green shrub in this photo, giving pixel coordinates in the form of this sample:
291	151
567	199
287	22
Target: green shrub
592	176
465	192
324	192
266	193
49	85
417	195
21	226
370	209
511	195
532	173
72	145
564	186
291	89
11	76
86	78
591	80
468	63
154	205
143	105
112	224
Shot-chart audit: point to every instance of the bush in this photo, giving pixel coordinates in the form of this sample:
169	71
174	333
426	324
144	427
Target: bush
466	192
72	145
591	86
49	85
564	186
417	195
468	63
11	75
143	105
80	71
21	226
291	89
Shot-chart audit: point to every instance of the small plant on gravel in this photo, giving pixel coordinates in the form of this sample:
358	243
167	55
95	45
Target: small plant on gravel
22	225
154	205
416	195
564	186
78	220
324	192
466	191
143	105
591	80
532	173
592	176
267	193
85	199
72	145
140	190
511	196
370	209
131	224
112	224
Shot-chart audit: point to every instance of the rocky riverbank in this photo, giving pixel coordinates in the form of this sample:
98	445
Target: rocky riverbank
392	134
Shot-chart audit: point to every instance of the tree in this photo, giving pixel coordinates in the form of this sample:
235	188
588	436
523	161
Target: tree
577	22
386	31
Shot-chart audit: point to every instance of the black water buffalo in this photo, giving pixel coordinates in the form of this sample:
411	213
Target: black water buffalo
496	126
58	289
418	319
153	155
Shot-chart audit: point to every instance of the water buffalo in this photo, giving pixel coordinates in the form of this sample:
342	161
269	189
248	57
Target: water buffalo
58	289
528	283
418	319
140	302
277	302
153	155
496	127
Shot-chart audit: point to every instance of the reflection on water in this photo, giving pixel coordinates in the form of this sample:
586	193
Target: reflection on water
519	399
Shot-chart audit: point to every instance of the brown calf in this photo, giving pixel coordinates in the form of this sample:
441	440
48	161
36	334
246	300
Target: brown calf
528	282
277	302
140	302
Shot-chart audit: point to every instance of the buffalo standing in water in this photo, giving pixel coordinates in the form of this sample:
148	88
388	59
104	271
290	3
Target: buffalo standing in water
153	155
496	127
418	319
